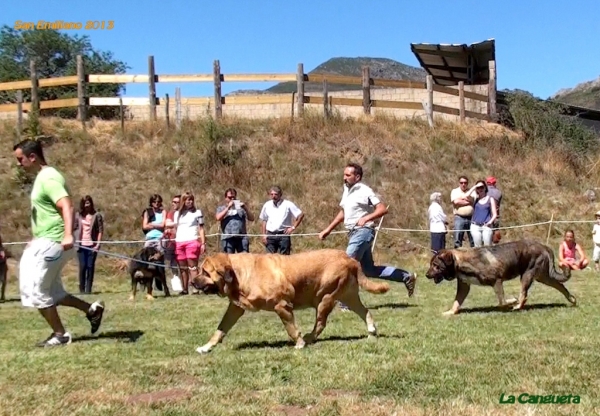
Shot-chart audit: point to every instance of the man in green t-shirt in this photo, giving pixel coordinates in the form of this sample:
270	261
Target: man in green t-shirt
51	247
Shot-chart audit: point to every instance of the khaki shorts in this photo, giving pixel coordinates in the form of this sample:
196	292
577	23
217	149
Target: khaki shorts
40	270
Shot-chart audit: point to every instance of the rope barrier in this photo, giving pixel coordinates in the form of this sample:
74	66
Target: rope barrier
313	234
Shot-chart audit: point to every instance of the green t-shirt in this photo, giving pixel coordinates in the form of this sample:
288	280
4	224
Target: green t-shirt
46	219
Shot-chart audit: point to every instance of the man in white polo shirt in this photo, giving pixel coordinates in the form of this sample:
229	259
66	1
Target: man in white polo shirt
280	217
360	208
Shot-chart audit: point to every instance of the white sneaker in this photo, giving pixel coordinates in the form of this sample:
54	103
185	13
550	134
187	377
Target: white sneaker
56	340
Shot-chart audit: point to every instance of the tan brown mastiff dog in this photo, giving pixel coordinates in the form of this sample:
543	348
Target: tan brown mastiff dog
284	283
493	265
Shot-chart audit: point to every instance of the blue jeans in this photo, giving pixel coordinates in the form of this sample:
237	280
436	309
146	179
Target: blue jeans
233	245
462	225
359	247
87	265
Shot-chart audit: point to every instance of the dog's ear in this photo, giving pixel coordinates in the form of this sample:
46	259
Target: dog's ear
224	267
446	257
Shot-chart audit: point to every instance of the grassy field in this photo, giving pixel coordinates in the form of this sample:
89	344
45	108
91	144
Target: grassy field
144	360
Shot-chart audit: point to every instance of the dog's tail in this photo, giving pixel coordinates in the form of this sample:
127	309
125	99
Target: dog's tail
369	285
555	274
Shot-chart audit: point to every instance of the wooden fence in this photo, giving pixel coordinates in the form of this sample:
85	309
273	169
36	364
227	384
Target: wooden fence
296	100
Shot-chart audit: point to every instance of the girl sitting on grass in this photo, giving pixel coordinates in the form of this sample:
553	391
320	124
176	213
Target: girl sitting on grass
568	251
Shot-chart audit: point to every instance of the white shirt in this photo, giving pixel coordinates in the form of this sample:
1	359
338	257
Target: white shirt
358	201
596	230
187	226
279	217
436	218
467	210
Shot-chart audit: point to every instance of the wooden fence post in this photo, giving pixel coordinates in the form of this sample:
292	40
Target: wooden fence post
167	111
492	111
19	113
35	99
461	100
152	87
81	106
178	108
300	96
429	107
218	98
326	109
366	87
122	116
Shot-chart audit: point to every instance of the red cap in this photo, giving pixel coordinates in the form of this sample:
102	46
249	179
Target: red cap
491	180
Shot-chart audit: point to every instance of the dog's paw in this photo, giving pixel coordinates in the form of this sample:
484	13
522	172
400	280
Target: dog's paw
132	298
205	349
149	297
300	344
573	300
511	301
451	312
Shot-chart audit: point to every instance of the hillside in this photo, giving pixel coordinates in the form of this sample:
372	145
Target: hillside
586	94
380	68
403	159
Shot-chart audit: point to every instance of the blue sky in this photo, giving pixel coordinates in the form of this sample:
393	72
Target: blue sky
541	47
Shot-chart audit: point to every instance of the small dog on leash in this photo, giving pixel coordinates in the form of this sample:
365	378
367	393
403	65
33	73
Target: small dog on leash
143	273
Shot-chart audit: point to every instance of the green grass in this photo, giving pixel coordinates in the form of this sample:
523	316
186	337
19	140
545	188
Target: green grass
144	361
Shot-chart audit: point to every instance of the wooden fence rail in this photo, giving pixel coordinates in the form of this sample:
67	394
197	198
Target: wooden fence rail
297	99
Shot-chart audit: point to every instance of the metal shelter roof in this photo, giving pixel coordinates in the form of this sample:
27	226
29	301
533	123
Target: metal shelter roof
449	64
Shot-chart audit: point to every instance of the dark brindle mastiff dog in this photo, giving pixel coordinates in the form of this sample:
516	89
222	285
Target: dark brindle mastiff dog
493	265
144	273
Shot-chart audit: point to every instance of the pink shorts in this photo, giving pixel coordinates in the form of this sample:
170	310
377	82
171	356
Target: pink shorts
187	250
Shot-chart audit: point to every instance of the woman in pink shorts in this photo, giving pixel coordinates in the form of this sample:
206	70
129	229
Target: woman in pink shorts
190	242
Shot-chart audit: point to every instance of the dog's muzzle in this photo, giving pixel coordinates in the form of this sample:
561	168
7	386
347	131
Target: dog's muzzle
209	289
437	278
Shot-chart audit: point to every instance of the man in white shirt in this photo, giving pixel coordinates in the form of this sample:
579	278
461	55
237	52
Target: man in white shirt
463	211
280	218
360	207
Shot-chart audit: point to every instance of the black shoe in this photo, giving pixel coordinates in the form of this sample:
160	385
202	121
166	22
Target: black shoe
55	340
94	315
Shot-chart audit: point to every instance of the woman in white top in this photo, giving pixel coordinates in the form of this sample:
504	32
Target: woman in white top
437	223
190	242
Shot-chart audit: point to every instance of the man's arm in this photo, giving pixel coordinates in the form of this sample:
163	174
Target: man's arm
298	217
66	209
298	220
380	211
336	221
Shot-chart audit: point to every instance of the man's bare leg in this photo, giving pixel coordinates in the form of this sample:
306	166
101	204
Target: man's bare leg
51	316
74	302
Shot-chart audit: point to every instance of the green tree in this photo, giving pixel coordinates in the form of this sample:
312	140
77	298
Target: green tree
55	55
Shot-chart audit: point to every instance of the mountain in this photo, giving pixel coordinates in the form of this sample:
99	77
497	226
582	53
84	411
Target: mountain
380	68
586	94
